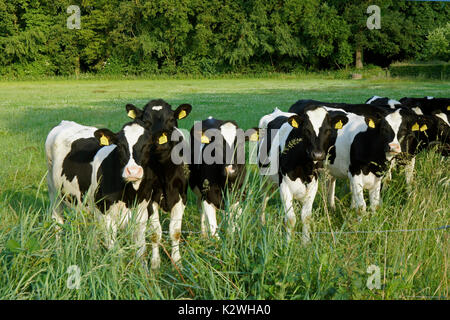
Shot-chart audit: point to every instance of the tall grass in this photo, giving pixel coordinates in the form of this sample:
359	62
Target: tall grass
253	261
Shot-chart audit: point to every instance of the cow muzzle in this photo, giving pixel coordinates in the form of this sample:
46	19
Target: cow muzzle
318	155
133	173
394	148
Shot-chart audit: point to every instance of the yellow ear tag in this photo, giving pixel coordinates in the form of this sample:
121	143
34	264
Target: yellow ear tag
338	125
415	127
182	114
371	123
294	123
162	139
204	139
131	114
448	108
423	128
254	137
104	141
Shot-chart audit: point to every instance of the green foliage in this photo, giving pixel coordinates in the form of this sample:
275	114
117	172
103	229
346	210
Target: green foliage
211	37
437	45
436	71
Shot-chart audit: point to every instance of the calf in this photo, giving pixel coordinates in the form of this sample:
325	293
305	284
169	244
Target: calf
295	145
436	111
428	105
371	139
217	166
383	101
86	163
169	181
434	128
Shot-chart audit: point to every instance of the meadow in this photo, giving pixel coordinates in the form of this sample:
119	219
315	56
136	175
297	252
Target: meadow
254	262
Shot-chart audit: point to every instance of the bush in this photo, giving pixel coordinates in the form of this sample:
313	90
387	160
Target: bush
437	45
425	70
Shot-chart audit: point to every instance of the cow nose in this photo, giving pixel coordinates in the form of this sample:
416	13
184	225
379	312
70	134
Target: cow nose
394	148
318	155
133	173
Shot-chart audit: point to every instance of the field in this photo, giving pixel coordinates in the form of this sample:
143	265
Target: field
254	262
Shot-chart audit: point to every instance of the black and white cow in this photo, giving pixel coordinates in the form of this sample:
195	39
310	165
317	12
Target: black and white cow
291	149
87	164
432	113
384	101
217	167
364	147
428	105
170	175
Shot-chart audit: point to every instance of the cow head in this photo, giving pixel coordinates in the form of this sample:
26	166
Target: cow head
395	131
318	130
160	120
132	143
223	141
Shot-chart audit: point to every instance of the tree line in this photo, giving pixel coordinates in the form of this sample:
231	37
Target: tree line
215	36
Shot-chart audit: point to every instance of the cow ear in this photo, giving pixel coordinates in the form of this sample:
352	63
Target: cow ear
372	122
252	134
183	111
339	121
132	111
295	121
105	137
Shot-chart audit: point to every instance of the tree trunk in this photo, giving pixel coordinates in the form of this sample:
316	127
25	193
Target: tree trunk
359	63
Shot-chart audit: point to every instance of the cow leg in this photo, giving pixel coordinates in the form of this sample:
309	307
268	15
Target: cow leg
356	186
375	194
235	213
209	218
156	230
409	170
331	192
176	217
288	204
306	211
110	229
263	209
55	204
139	233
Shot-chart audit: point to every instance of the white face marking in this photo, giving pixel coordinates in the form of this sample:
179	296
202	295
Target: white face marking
417	110
132	135
228	131
157	108
316	117
444	117
430	98
395	120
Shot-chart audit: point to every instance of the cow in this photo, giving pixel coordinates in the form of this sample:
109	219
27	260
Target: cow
105	170
364	147
170	179
428	105
291	149
434	113
384	101
217	168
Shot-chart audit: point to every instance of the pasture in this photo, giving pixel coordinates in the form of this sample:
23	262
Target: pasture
254	262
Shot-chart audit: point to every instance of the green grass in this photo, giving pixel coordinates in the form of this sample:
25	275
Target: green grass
251	263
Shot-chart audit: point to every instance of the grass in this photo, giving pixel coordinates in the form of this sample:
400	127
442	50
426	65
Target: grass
253	262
